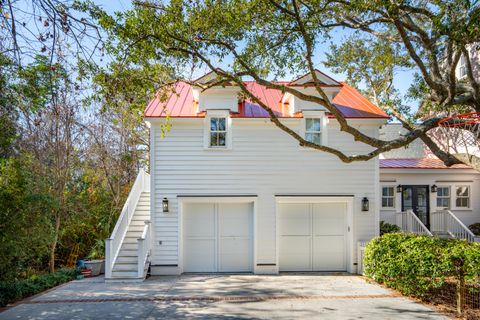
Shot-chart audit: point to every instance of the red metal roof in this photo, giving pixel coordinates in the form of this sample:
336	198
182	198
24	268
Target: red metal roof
180	104
419	163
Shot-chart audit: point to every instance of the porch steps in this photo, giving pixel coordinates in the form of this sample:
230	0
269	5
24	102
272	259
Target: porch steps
125	267
443	235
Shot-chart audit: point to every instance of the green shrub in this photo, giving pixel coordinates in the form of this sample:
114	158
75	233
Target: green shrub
11	291
475	228
386	227
415	264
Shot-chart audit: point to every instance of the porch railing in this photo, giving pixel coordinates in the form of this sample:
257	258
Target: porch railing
446	222
113	244
144	248
410	223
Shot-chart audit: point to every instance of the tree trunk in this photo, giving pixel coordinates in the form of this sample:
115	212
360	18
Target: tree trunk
53	247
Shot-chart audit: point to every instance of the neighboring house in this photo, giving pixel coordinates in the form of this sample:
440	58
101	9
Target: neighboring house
474	55
228	191
412	178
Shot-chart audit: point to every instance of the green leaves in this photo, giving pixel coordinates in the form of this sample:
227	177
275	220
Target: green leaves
11	291
373	64
415	264
388	228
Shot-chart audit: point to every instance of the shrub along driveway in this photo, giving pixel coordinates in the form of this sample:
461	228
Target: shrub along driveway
223	297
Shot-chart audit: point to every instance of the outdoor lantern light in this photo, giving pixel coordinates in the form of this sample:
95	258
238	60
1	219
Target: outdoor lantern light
365	205
165	205
433	188
399	188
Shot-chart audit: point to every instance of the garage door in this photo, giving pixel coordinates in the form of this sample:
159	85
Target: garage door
218	237
312	236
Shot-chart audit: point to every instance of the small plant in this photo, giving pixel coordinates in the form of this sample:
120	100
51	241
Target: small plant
475	228
97	251
386	227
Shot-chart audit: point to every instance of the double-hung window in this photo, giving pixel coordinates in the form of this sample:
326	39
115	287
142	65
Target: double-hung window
462	67
443	197
313	130
462	194
218	132
388	197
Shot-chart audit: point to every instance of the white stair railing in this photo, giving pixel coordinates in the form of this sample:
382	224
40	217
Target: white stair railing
113	244
410	223
445	221
144	249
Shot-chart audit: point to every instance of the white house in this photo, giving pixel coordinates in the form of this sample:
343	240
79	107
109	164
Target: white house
412	178
230	192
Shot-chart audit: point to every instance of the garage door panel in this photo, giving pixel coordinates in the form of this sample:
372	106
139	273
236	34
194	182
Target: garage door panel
295	219
322	247
295	253
235	219
235	255
329	253
200	255
329	219
218	237
199	220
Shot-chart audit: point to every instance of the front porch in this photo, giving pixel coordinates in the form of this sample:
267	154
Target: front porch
443	223
441	202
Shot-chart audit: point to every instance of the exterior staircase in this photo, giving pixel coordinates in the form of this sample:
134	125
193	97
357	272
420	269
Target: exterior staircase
128	249
444	225
410	223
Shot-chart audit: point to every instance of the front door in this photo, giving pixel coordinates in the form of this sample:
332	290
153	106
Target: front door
416	198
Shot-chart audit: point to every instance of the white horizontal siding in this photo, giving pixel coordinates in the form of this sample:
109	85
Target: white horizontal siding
427	177
264	161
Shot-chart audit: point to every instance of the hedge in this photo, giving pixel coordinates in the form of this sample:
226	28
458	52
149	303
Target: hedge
415	264
11	291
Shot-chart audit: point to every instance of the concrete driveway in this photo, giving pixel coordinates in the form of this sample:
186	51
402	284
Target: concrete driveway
287	296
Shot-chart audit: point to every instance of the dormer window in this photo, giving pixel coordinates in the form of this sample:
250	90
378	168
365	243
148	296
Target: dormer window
313	130
218	130
313	127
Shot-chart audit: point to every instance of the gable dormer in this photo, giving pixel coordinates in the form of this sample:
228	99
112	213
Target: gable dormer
305	84
223	96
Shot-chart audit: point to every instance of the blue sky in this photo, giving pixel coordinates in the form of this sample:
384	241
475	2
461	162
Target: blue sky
402	80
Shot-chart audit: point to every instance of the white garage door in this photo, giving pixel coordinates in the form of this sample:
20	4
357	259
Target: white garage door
218	237
312	236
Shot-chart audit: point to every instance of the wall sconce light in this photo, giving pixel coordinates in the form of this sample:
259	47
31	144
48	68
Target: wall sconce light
165	205
365	204
433	188
399	188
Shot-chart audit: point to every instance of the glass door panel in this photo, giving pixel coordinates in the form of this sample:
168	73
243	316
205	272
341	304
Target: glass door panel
416	198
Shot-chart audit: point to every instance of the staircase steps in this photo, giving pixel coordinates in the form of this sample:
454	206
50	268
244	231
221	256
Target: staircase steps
126	263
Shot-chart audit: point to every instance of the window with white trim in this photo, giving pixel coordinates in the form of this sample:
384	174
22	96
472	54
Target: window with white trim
388	197
462	196
313	130
443	197
462	67
218	132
